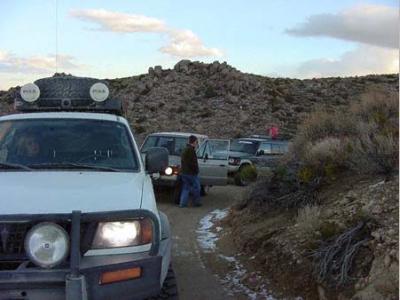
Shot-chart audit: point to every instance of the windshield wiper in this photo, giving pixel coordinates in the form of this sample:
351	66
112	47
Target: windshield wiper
14	166
72	166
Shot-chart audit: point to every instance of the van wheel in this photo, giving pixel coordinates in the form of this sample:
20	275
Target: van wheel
169	289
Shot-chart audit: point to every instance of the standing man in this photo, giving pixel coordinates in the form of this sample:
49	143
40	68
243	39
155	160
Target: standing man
190	174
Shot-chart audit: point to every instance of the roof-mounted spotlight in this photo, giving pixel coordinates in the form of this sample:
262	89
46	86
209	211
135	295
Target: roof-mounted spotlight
99	92
30	92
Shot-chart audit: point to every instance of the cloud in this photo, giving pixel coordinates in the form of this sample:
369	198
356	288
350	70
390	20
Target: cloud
182	43
36	64
119	22
369	24
360	61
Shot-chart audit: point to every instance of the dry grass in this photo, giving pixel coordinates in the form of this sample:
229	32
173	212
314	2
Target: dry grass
309	220
362	139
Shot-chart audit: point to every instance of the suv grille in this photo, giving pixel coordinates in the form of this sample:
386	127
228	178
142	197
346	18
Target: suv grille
12	236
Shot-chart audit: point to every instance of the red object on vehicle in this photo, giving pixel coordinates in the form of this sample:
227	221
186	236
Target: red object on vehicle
273	131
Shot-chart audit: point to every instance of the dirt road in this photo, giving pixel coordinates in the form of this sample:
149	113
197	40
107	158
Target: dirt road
195	279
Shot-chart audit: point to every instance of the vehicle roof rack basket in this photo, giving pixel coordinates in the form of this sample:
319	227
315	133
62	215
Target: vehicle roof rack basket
67	93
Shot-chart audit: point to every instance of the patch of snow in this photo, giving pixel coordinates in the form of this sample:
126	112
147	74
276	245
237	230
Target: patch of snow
206	238
233	280
227	258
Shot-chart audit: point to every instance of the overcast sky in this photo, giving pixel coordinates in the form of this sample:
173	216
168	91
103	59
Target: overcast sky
119	38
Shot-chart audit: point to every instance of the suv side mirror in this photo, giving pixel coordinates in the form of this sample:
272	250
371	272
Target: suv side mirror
260	152
156	160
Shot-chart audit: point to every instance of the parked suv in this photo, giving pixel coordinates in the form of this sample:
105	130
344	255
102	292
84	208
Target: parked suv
212	159
175	143
78	216
255	150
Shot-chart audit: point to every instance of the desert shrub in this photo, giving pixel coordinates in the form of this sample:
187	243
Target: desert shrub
378	106
210	92
328	229
375	148
206	113
248	173
141	119
138	129
373	152
181	109
363	139
308	220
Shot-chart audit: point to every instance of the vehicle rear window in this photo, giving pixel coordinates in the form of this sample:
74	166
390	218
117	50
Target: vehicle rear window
271	148
174	145
249	147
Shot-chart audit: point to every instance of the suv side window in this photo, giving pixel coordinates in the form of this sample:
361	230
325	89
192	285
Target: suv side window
201	149
266	147
180	144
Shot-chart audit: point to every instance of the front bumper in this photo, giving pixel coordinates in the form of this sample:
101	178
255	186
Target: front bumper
38	284
232	169
81	279
165	180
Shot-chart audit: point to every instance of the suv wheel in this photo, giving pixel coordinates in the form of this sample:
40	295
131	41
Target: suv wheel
204	190
169	289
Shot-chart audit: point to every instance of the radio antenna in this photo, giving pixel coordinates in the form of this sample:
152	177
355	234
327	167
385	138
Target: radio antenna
56	7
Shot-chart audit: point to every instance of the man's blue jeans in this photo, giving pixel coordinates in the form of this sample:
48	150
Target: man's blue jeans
190	185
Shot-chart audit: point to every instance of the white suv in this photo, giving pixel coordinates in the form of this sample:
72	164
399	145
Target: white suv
78	216
212	159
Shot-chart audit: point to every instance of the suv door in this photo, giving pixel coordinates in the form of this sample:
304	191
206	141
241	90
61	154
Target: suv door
213	162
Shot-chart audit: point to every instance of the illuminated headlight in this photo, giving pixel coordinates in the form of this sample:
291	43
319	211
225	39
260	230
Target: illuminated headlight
47	245
122	234
168	171
234	161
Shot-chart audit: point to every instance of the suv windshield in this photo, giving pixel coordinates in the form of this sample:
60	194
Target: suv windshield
245	146
66	144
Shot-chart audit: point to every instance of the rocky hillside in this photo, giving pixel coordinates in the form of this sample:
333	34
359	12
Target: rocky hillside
218	100
277	243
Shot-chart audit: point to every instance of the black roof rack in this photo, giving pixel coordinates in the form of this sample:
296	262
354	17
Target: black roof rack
68	93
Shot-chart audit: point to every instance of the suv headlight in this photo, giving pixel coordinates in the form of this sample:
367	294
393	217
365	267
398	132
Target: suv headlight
234	161
47	244
123	234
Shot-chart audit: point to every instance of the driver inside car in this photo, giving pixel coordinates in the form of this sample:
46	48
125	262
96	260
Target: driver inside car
28	150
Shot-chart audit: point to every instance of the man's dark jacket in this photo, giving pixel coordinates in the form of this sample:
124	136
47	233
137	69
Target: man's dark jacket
189	165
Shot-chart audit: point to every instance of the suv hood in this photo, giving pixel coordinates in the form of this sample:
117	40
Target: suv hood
42	192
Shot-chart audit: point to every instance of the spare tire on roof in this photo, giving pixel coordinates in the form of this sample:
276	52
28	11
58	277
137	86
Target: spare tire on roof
66	86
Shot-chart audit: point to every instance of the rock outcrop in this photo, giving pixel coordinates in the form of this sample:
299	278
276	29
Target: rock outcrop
220	101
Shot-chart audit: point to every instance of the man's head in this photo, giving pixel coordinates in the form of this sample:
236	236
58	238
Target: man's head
29	146
193	141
